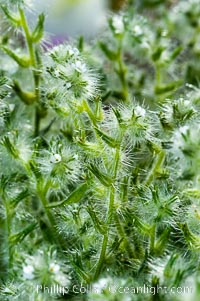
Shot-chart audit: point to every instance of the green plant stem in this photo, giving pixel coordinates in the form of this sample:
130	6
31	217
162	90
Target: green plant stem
42	189
51	221
157	74
33	61
37	122
108	220
102	256
28	37
158	162
8	229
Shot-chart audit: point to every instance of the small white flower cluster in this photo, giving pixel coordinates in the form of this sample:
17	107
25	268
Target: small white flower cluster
70	77
137	31
177	111
28	272
141	34
59	161
63	53
139	125
45	266
79	67
55	158
118	24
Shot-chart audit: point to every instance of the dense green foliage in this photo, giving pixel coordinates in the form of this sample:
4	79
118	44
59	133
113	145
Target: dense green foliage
100	157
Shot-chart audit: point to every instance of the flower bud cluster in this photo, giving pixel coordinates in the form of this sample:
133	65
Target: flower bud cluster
68	78
43	266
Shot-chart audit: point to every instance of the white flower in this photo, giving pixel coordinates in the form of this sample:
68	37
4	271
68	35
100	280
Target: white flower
54	267
55	158
137	30
118	24
28	272
139	111
68	85
79	67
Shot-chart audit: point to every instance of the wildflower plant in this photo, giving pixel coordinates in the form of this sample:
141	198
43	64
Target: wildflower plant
99	156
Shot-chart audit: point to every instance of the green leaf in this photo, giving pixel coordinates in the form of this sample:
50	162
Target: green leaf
192	192
11	17
192	240
27	97
74	197
98	111
10	147
161	89
143	227
35	170
157	53
21	196
3	81
176	52
104	178
19	237
112	55
94	148
98	224
170	264
21	61
81	272
118	115
37	33
162	241
107	139
81	43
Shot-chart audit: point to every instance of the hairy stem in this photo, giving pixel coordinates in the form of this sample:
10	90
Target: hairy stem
102	256
8	230
50	218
